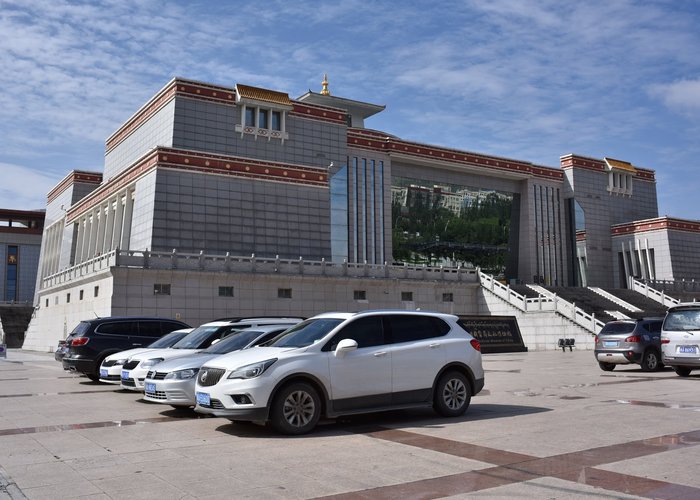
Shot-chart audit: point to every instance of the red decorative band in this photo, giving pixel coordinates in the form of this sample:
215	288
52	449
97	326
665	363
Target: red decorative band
390	144
73	178
322	113
662	223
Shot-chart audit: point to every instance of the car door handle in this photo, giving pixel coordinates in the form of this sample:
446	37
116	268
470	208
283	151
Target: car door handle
434	346
380	354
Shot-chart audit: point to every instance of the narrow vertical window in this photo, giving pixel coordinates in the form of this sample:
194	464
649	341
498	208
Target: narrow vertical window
250	117
276	120
262	118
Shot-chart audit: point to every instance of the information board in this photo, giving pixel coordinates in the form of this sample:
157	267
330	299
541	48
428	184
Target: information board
495	333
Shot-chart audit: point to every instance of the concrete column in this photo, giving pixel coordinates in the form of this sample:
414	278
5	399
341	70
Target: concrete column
79	241
102	224
109	227
128	214
118	222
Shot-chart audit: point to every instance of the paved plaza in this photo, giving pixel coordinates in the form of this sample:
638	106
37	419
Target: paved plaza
548	424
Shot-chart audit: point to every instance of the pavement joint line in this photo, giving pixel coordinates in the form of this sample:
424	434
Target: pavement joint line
89	425
577	467
53	393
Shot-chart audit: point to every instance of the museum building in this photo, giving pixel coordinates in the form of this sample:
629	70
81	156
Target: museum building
223	201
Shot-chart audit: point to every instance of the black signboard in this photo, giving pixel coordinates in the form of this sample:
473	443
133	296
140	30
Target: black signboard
495	333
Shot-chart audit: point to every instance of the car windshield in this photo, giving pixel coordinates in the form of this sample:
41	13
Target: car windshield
306	333
198	338
233	342
618	327
167	340
682	320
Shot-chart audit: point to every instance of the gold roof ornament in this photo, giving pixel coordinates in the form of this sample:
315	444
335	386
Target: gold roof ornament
620	165
324	90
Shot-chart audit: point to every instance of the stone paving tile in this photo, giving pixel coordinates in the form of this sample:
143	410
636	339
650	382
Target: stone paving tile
540	413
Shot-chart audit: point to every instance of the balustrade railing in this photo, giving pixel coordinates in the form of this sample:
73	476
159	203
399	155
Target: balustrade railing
252	264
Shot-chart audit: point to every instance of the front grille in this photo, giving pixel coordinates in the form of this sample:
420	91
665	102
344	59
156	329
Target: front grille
214	404
109	362
210	376
130	365
129	382
157	375
157	395
114	378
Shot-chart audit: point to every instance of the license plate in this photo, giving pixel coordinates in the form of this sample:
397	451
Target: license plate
103	373
687	349
125	374
149	387
610	343
203	399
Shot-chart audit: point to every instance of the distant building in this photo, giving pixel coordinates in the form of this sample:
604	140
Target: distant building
20	244
225	200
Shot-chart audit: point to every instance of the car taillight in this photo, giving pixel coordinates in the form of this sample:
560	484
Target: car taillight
633	338
79	341
665	340
595	339
475	344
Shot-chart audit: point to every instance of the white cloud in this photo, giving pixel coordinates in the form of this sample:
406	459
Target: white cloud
25	188
683	95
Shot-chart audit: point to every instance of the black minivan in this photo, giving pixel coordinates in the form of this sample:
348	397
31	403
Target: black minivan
95	339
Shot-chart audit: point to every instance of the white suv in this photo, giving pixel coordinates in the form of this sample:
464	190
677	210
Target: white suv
680	338
342	363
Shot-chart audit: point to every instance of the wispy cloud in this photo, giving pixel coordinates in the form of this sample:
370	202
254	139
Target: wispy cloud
24	188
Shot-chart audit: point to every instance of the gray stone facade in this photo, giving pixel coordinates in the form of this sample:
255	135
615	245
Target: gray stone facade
219	171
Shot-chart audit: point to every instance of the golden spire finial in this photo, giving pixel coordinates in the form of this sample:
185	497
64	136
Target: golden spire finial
324	90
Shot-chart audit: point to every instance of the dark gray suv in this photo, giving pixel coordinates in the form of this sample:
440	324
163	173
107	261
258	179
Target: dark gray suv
630	341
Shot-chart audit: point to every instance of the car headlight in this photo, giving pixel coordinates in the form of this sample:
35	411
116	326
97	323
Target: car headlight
150	362
182	374
252	371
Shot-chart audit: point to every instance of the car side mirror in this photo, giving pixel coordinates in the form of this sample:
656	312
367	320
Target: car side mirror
214	341
345	346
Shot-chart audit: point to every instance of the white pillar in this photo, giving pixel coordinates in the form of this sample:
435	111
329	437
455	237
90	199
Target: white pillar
126	227
118	222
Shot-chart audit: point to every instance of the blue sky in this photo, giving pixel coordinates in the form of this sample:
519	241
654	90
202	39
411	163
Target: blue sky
531	80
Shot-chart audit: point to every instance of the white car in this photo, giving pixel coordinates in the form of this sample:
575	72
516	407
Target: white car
172	382
135	369
680	338
342	363
111	367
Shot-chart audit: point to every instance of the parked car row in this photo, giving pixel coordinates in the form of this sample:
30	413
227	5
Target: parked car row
290	372
653	342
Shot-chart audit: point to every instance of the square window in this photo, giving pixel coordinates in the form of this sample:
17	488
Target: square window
406	296
360	295
225	291
284	293
448	297
161	289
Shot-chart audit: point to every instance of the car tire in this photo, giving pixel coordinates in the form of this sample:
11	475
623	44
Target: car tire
606	367
295	409
650	361
682	371
452	394
93	377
